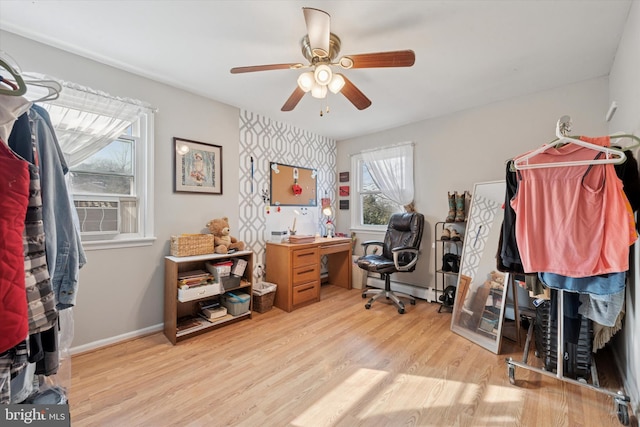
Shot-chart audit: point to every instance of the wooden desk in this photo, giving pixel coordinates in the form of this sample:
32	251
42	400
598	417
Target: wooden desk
295	269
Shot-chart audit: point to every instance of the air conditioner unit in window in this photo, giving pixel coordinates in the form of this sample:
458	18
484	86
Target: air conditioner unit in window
98	216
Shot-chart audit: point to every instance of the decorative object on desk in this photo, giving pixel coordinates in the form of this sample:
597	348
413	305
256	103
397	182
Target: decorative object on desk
191	244
344	176
481	294
344	205
197	167
223	239
344	191
330	228
302	239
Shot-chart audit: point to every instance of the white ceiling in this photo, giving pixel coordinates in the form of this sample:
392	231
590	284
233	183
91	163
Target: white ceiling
468	53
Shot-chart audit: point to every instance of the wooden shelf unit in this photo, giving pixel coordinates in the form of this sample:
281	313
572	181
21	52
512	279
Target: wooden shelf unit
174	309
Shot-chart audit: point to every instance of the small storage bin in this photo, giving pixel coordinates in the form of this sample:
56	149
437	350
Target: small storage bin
230	282
191	244
198	292
236	303
263	295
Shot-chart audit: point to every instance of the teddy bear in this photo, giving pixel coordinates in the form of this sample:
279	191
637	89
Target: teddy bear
222	239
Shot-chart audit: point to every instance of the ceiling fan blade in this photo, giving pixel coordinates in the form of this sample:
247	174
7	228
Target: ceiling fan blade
396	58
293	100
252	68
353	94
318	28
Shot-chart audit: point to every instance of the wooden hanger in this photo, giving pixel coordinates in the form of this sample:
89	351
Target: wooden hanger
612	155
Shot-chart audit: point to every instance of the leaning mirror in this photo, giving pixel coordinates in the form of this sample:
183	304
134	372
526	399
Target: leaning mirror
479	303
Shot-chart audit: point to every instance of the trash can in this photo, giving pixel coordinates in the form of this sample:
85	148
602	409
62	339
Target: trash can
263	295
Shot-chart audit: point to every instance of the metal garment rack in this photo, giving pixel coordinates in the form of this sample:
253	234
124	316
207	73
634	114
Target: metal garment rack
620	399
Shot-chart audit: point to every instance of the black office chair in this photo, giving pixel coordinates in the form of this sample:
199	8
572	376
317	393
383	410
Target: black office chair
400	251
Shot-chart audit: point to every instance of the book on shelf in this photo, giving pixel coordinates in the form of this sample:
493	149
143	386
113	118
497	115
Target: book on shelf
213	313
216	319
188	284
186	323
192	274
209	303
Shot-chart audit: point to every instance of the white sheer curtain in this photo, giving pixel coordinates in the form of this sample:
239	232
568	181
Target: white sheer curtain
87	120
392	170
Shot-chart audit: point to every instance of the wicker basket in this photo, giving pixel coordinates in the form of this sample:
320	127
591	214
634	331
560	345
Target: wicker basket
263	295
191	244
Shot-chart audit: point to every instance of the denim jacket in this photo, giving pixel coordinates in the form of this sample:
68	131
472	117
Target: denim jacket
65	255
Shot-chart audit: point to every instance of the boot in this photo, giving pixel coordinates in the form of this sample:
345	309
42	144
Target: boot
459	203
452	207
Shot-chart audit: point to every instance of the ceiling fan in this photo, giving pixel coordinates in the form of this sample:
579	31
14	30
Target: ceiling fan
321	47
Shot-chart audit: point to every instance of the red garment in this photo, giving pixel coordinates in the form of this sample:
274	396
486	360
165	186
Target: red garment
572	220
14	198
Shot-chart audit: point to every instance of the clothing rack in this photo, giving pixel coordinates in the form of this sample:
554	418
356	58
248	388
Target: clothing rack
620	399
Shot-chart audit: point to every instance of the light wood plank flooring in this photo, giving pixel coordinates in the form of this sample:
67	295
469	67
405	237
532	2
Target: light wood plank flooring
329	364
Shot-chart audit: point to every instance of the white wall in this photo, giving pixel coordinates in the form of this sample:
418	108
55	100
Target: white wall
624	88
121	291
455	151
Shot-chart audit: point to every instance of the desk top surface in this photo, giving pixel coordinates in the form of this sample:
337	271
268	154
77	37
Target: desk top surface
319	241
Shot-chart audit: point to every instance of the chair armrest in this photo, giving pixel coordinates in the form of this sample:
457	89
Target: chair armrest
368	243
402	249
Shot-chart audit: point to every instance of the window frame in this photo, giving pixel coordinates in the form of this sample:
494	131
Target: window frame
357	165
143	136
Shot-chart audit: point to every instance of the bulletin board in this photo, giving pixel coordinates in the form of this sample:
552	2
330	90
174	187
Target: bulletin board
293	185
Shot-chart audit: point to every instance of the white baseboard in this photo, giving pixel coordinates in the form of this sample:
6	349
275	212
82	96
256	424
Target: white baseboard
406	288
114	340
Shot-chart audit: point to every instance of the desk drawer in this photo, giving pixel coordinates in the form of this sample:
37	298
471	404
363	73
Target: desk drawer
307	273
306	292
305	257
335	247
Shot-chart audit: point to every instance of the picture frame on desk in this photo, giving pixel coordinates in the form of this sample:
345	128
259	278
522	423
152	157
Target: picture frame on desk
197	167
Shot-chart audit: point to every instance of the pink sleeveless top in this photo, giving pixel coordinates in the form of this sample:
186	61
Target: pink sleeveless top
572	220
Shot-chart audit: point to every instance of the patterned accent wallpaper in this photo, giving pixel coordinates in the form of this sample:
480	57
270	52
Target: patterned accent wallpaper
268	141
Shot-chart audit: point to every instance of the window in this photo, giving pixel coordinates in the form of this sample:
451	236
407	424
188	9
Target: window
383	185
108	145
371	209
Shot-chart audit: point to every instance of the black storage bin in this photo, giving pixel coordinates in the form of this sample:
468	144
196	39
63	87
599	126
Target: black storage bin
577	363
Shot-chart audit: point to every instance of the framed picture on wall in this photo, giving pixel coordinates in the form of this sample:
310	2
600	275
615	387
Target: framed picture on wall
344	176
197	167
344	191
344	204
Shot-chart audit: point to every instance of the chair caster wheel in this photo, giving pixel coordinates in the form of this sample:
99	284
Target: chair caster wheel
413	302
364	295
401	310
367	306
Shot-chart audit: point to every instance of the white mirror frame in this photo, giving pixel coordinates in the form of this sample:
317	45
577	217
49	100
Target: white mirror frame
478	310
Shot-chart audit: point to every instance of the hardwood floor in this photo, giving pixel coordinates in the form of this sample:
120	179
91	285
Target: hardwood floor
329	364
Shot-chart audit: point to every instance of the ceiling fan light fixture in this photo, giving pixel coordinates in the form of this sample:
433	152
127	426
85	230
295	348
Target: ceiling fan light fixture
323	74
346	62
319	91
337	83
306	81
